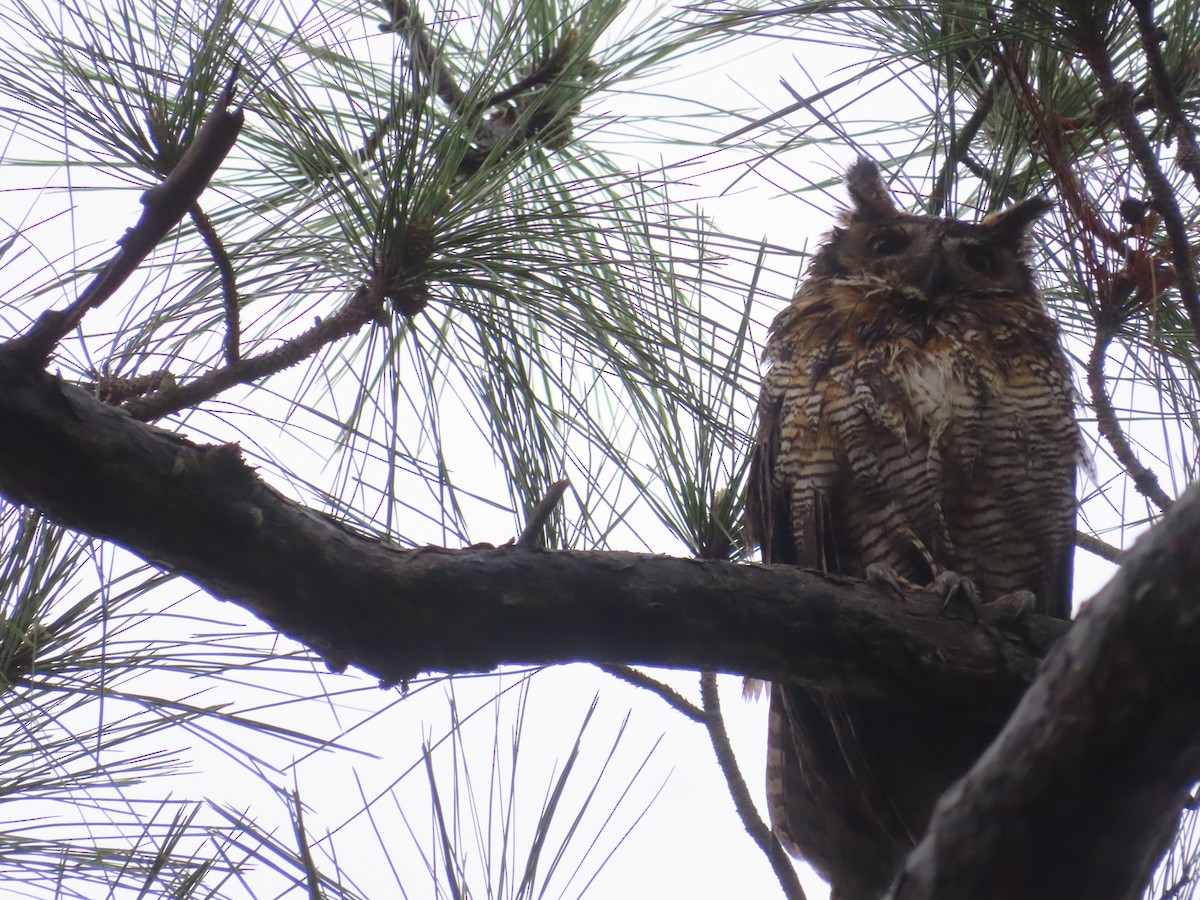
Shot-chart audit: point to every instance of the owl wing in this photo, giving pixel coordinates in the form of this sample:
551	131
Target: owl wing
789	514
788	511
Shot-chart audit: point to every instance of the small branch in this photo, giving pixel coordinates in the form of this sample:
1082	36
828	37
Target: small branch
164	205
1106	421
1188	154
1118	98
1100	548
360	309
229	292
533	530
960	143
407	22
673	698
758	830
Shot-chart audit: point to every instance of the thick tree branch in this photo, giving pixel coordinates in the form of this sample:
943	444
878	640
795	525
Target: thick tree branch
200	511
1079	795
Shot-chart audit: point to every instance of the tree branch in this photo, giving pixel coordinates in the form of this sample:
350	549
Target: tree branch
164	205
759	831
363	306
1143	478
665	692
1118	98
229	291
202	512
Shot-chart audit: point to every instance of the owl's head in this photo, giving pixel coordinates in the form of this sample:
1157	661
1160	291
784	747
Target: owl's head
920	259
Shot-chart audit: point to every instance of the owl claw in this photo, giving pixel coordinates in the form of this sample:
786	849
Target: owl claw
885	580
958	596
956	592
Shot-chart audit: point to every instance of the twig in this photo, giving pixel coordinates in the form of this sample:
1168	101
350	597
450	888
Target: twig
362	308
1118	97
164	205
1188	155
1106	420
673	698
758	830
1100	548
229	292
960	143
407	22
533	530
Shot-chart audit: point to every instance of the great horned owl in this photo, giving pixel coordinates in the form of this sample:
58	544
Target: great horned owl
916	415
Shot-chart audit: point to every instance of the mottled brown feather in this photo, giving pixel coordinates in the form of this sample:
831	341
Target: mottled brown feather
917	412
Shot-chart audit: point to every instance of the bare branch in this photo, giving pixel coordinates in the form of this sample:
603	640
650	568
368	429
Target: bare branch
533	529
164	205
1102	549
758	830
229	292
673	698
360	309
1106	421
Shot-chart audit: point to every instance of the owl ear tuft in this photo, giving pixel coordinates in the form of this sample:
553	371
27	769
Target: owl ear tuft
870	195
1011	225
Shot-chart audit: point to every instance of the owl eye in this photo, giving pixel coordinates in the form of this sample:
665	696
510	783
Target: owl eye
977	257
889	243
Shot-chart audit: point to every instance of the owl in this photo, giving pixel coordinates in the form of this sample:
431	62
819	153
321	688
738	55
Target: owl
916	418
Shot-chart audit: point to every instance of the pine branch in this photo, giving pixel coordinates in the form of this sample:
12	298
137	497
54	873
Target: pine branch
363	307
164	205
1106	420
758	830
229	291
395	613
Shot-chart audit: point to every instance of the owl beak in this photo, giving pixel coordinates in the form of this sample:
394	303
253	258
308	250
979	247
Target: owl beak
933	280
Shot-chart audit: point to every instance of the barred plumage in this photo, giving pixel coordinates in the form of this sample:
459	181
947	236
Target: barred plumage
917	413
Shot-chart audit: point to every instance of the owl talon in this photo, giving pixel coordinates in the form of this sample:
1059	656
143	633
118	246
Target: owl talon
885	580
956	592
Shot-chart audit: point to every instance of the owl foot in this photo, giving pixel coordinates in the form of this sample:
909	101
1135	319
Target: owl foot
885	580
957	594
